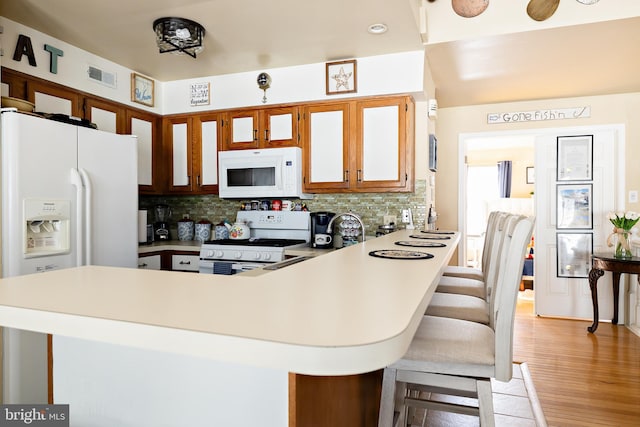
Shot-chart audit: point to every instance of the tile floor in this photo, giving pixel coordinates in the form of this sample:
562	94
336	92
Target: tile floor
515	404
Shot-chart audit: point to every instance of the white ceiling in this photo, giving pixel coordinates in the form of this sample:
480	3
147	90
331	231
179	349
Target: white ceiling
246	35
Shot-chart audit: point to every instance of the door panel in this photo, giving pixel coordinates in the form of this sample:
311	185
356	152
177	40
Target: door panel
562	296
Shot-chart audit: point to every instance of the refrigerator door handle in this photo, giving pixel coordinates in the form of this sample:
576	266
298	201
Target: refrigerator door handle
76	181
88	214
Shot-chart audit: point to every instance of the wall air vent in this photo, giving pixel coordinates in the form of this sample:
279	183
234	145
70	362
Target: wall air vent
103	77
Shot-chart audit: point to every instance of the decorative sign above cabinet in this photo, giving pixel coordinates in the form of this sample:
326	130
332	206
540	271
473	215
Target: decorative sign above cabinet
539	115
141	89
199	94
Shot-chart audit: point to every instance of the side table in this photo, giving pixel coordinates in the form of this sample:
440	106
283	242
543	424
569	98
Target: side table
606	262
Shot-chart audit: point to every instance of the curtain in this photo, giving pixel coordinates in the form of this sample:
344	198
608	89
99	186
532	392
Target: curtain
504	178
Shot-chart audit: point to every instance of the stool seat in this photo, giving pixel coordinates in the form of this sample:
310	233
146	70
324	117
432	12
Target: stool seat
458	306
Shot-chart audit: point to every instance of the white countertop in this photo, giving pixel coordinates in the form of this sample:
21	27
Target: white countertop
344	312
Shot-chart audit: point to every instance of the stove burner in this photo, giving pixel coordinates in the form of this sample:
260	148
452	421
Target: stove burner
256	241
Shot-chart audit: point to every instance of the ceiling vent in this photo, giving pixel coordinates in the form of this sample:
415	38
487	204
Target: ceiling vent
102	77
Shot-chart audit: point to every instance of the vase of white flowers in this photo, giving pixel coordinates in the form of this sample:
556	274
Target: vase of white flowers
622	222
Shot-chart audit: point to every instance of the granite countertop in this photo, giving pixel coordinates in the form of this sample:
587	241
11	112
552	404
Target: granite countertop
341	313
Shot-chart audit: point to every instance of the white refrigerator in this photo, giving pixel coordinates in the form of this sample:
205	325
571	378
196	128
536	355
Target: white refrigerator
69	198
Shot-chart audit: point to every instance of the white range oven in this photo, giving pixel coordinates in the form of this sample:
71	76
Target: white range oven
272	233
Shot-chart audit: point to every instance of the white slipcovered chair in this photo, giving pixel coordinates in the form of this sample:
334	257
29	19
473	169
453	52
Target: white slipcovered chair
459	357
475	287
472	308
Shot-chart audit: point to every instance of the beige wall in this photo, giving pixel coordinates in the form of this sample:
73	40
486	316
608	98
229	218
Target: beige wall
605	110
521	158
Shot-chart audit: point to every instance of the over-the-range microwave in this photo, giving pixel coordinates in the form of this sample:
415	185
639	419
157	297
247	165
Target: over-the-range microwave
268	172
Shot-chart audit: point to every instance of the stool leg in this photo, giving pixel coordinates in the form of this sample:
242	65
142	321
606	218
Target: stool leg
485	403
387	398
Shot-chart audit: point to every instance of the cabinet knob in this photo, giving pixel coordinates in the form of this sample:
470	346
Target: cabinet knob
359	175
346	176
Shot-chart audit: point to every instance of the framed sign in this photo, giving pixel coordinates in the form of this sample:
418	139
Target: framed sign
574	254
142	89
199	94
341	77
574	206
575	158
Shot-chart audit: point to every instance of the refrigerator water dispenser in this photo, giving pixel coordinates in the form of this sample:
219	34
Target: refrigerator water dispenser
46	227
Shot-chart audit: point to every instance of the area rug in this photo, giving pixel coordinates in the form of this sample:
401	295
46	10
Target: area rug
515	404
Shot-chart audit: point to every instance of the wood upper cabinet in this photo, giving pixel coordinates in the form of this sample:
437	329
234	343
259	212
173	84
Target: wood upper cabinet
177	136
108	116
262	128
384	144
145	126
359	146
191	144
326	147
49	98
207	131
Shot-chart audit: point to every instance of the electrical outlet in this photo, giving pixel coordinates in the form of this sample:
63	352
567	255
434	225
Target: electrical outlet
388	219
405	216
633	196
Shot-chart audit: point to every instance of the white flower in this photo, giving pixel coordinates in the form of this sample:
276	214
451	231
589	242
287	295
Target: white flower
631	215
611	215
620	214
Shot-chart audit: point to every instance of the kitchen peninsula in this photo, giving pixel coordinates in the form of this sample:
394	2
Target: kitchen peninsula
342	313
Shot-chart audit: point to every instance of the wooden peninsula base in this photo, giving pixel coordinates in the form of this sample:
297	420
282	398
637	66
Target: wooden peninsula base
343	401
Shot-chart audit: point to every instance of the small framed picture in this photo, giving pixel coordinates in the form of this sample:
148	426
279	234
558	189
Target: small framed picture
433	153
574	254
574	206
341	77
575	158
199	94
142	89
531	175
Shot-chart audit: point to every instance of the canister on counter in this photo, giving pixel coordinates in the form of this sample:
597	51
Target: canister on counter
276	205
265	205
255	205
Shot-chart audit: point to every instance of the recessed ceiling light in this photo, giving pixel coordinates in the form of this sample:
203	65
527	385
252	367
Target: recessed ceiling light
377	28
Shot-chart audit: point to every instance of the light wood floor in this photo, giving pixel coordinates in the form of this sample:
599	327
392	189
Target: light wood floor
581	379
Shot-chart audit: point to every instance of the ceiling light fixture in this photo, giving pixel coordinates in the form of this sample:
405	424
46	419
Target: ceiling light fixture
377	28
179	35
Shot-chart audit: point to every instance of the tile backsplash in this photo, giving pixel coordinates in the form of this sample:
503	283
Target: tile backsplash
371	207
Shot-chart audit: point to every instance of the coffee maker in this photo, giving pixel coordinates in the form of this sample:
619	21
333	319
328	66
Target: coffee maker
320	239
161	226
